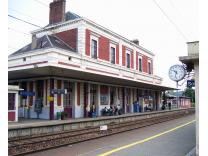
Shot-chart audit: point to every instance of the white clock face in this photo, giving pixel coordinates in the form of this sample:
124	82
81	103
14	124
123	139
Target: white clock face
177	72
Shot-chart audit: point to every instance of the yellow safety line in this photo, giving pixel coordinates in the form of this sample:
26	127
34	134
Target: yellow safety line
145	140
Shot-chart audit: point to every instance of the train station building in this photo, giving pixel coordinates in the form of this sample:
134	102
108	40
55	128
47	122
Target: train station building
74	64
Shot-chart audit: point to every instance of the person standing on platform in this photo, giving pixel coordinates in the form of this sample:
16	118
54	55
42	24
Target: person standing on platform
169	106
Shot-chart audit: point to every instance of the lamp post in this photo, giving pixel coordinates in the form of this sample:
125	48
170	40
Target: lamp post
177	97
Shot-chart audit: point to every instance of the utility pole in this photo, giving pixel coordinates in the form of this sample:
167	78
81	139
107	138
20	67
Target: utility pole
177	96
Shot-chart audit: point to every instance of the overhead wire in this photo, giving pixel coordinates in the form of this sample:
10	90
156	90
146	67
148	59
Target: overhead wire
41	3
18	31
181	16
171	21
25	15
24	21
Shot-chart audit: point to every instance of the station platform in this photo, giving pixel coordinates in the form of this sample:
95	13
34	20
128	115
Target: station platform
27	127
26	123
178	142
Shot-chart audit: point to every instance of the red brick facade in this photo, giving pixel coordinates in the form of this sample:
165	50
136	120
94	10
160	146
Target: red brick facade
123	55
117	54
57	14
87	42
104	53
11	116
144	64
103	48
69	37
132	59
103	89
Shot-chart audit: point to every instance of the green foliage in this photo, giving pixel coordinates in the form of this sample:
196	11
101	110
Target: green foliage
64	115
189	92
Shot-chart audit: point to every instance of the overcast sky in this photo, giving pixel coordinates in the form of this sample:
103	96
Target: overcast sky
141	19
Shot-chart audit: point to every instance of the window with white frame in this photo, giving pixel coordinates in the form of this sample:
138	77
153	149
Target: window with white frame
140	63
94	48
94	38
128	59
112	53
149	67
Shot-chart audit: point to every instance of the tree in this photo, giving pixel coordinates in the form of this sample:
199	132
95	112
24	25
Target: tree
189	92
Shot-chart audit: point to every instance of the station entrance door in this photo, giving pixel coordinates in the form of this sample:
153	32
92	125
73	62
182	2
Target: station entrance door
68	98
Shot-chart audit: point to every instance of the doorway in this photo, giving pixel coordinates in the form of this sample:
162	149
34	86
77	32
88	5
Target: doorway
68	98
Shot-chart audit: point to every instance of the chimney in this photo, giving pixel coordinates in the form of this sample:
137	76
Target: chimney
57	11
136	41
34	42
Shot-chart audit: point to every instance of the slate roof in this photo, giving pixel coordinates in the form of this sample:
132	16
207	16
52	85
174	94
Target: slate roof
71	16
47	41
174	95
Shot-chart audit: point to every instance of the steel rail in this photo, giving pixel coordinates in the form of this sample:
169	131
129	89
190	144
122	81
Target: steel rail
40	145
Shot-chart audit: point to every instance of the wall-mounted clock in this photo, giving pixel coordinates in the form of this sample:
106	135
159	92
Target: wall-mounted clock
177	72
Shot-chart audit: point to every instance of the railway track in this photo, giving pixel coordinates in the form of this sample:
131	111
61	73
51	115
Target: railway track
25	145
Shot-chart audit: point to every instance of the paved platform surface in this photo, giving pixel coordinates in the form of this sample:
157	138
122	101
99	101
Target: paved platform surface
175	143
25	123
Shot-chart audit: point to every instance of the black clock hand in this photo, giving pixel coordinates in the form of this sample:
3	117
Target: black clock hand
175	73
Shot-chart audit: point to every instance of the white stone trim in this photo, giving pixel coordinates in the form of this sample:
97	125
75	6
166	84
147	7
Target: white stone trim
53	57
81	41
120	54
84	21
15	105
113	34
55	95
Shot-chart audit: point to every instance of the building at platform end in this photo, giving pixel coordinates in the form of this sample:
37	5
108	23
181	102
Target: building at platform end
74	65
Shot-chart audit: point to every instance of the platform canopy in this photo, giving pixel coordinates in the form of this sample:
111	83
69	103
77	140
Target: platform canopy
53	72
